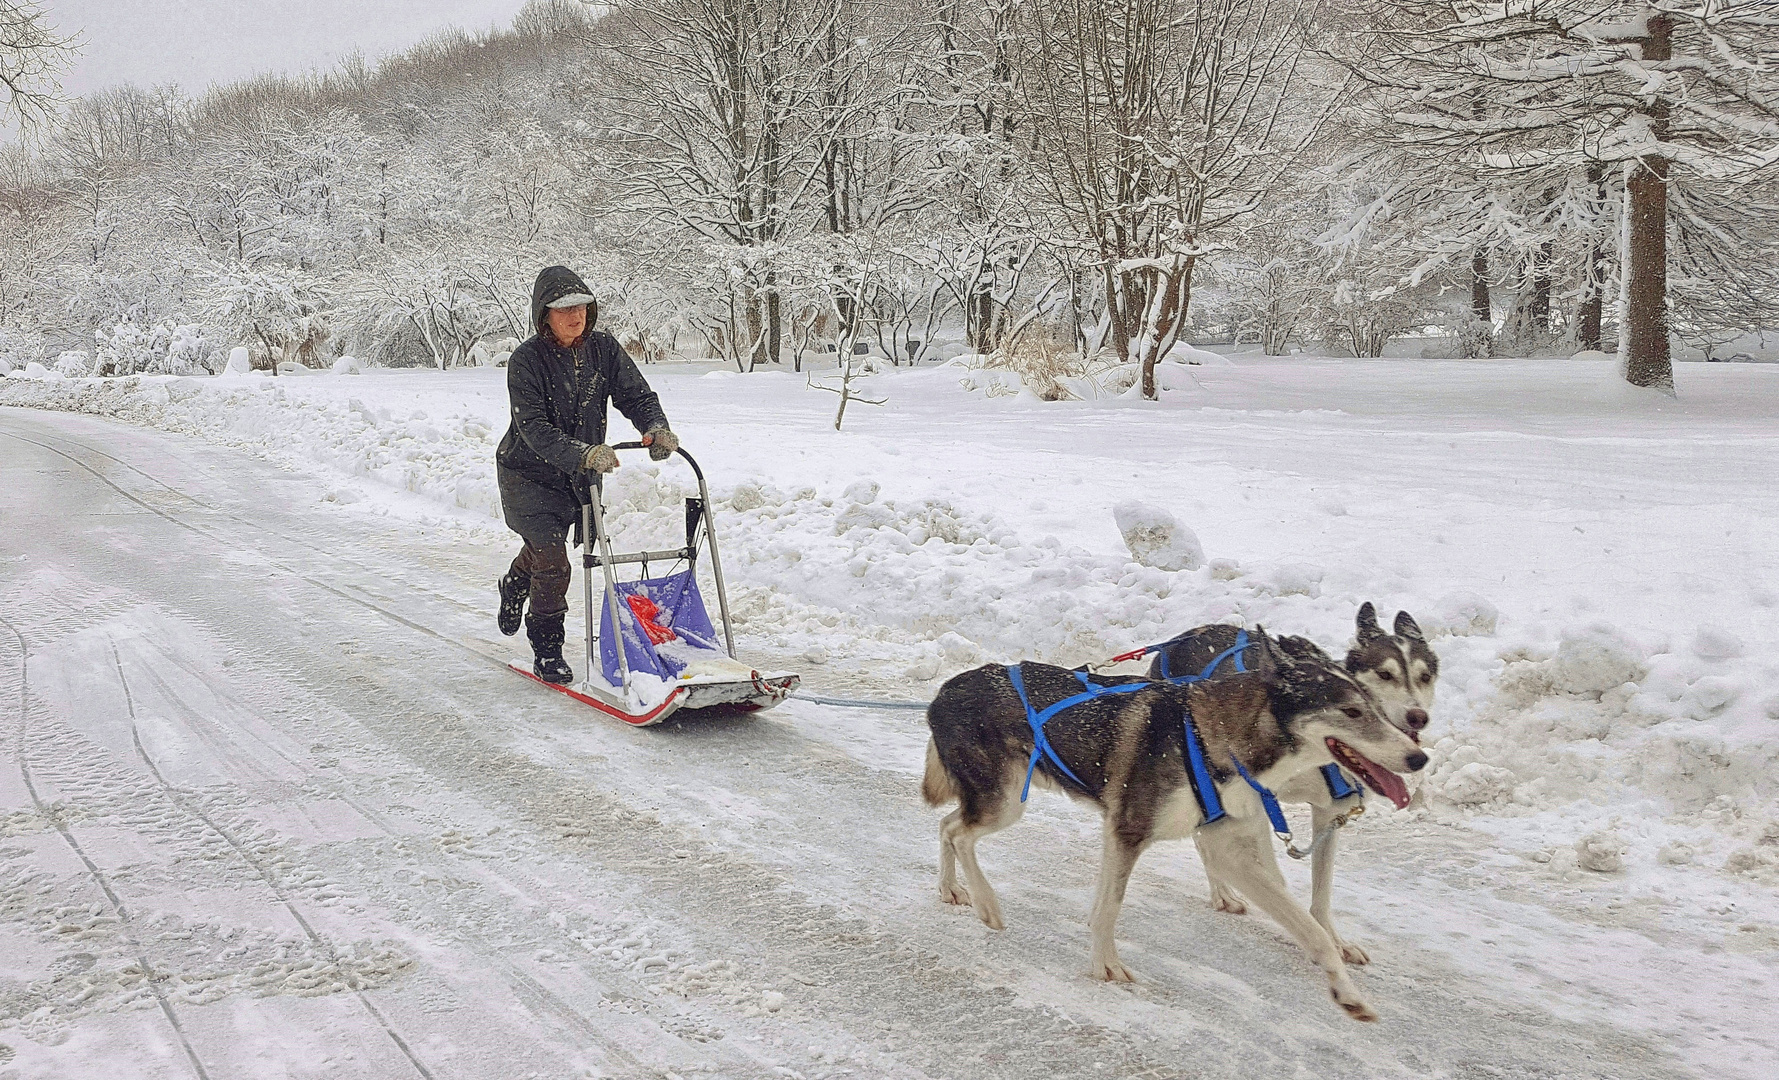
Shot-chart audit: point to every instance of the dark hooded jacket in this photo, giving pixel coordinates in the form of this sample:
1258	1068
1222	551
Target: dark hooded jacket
559	396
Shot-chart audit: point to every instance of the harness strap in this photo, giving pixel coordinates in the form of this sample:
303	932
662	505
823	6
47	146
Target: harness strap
1041	747
1339	787
1234	652
1204	787
1279	824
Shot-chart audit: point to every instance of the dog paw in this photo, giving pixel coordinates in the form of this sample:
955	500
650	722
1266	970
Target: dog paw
1223	899
954	894
990	914
1112	970
1352	953
1354	1006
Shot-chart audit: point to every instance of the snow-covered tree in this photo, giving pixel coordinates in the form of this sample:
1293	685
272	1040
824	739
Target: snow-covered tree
1643	94
278	312
32	56
1155	125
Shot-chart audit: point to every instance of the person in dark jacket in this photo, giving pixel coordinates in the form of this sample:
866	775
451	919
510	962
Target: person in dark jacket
559	382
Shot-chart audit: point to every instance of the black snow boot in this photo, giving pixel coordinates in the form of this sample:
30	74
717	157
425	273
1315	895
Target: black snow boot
546	635
515	586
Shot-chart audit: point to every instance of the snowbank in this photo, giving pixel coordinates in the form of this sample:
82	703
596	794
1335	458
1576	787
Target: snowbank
1183	353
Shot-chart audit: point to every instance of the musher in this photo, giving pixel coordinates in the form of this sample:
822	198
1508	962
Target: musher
559	382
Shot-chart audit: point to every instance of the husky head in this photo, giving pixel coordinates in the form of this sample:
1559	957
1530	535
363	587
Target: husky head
1399	669
1324	707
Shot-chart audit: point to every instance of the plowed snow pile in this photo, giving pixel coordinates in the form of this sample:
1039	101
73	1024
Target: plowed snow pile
1596	568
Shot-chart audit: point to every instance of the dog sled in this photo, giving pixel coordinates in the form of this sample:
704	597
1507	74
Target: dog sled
652	651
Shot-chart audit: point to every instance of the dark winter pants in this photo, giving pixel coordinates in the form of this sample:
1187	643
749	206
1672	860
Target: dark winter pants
544	514
548	568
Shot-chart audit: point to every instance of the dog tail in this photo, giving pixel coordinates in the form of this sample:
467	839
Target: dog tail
936	787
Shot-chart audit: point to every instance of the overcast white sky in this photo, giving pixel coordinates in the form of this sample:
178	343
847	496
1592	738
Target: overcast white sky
199	42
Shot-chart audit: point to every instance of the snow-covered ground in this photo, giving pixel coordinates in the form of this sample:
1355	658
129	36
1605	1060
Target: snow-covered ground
321	818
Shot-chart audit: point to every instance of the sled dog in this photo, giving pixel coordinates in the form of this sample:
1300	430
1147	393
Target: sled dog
1140	751
1399	669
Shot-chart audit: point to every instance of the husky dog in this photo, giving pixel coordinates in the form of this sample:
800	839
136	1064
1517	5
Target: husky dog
1139	751
1399	669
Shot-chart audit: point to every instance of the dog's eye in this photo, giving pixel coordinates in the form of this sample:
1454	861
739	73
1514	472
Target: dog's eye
1352	712
1387	676
1426	678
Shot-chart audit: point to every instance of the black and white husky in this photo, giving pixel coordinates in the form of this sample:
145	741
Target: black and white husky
1399	669
1159	760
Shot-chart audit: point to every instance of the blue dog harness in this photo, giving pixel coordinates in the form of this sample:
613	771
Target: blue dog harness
1204	785
1234	652
1339	787
1040	745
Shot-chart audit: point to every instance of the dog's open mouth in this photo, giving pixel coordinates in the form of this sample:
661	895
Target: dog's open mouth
1376	777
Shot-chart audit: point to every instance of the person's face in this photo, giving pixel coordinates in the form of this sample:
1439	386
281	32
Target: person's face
567	323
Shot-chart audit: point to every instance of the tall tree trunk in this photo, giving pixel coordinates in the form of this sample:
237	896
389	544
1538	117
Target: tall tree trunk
1645	349
983	309
1587	333
774	321
756	331
1482	316
1541	288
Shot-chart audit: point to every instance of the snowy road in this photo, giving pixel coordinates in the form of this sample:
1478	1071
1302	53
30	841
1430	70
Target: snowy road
272	807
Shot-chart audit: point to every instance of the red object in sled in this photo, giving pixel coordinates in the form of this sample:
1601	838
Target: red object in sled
648	614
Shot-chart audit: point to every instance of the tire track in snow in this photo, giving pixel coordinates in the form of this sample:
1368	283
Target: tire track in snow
214	538
525	987
178	798
54	818
239	519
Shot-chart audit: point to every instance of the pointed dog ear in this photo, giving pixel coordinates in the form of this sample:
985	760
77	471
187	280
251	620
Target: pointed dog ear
1267	657
1367	623
1407	627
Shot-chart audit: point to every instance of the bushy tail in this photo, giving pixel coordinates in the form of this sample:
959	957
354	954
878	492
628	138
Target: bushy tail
936	786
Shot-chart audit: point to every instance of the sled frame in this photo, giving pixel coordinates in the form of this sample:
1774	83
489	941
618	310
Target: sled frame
596	551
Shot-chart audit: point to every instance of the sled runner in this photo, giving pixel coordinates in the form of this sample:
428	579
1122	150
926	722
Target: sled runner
657	652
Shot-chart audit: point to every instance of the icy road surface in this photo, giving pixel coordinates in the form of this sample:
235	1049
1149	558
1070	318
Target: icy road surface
271	807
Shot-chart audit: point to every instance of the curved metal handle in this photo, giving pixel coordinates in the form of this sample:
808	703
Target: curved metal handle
696	471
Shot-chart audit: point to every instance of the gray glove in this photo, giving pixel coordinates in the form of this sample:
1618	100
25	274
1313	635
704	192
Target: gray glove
662	443
601	459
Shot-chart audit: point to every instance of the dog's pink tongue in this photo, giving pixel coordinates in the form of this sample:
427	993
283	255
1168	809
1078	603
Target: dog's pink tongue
1376	777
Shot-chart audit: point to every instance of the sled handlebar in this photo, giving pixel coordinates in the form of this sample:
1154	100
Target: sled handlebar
638	445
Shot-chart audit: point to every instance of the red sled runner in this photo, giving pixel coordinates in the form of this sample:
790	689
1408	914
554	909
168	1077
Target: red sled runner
653	651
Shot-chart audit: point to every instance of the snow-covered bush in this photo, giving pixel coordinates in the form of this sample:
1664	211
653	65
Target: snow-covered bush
1042	365
129	348
1183	353
73	364
189	352
1046	370
279	311
18	348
